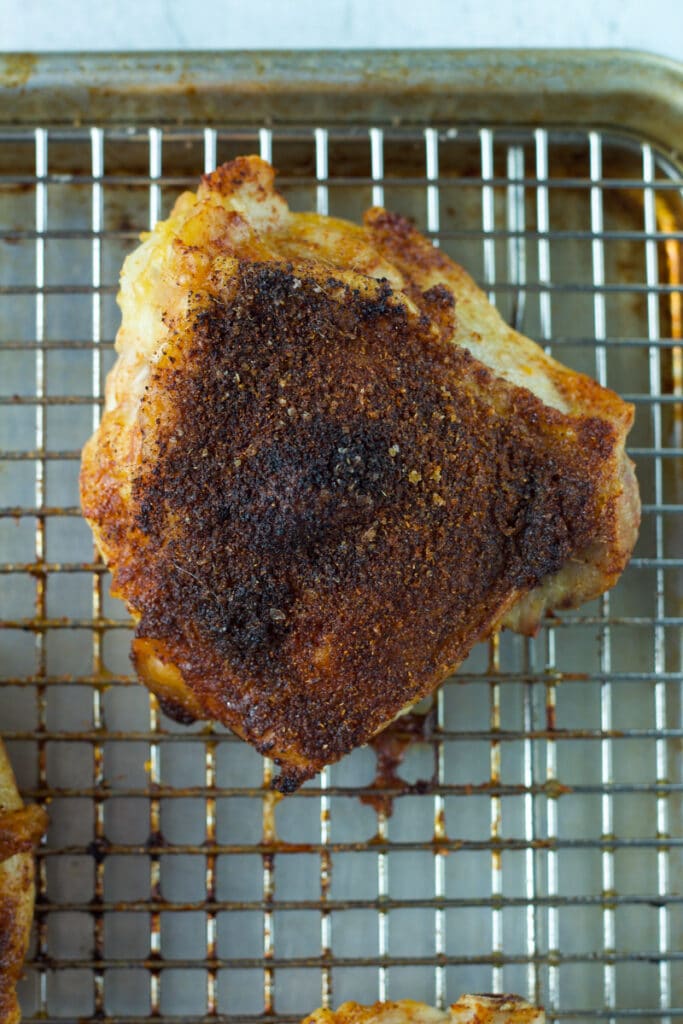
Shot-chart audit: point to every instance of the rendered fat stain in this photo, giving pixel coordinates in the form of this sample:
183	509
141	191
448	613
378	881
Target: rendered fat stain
391	747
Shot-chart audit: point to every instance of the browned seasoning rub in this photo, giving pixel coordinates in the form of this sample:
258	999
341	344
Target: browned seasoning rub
469	1009
20	830
327	468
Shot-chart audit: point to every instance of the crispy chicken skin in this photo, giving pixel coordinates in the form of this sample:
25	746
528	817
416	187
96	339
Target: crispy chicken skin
20	829
504	1009
327	468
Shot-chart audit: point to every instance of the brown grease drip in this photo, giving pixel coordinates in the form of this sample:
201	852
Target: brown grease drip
391	746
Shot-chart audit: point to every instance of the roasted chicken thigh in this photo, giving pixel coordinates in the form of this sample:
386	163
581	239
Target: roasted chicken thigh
327	468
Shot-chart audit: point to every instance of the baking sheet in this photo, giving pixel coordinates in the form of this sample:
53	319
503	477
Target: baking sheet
533	840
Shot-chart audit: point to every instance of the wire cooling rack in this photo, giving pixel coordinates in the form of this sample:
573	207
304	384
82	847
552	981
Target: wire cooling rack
533	842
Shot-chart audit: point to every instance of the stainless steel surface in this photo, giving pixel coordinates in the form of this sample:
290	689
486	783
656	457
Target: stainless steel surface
636	92
537	843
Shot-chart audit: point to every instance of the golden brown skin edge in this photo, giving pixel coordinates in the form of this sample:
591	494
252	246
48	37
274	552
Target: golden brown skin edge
20	829
327	468
469	1009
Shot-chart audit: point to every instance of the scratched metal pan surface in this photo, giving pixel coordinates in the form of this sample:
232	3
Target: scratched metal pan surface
525	832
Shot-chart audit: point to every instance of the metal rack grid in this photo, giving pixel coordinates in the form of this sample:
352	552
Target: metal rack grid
536	843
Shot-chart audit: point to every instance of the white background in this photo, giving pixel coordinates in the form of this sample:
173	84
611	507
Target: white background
263	24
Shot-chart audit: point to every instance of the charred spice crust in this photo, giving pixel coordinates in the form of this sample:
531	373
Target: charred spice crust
318	463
